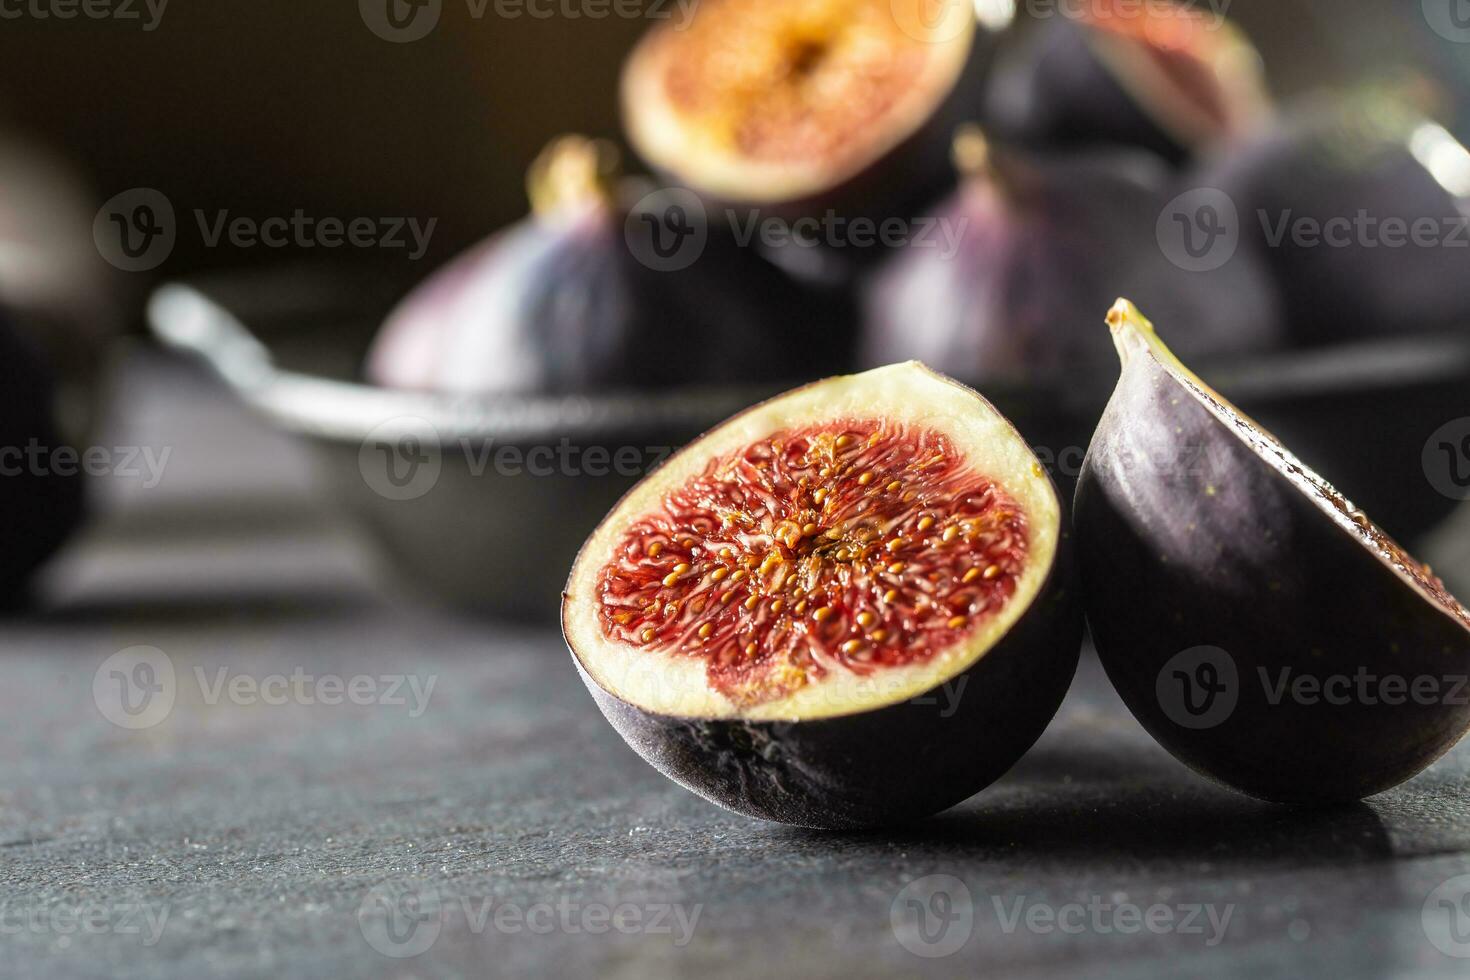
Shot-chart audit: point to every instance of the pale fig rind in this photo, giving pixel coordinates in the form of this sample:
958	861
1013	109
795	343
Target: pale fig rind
1194	529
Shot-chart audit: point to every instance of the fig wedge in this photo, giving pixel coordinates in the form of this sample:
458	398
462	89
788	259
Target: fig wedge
845	607
1262	628
1167	77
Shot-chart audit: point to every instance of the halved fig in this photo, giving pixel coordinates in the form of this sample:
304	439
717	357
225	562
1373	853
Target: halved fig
799	105
1260	626
1164	76
847	606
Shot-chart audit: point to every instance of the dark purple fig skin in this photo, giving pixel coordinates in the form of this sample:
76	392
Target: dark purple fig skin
824	773
1187	538
1046	243
39	507
1331	161
733	316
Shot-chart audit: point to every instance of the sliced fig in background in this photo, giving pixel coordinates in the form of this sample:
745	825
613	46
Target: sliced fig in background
847	606
1315	199
1174	79
560	303
1229	587
800	106
1026	252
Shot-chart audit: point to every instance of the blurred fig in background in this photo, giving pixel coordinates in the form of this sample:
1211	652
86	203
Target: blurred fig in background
1172	78
564	301
801	107
1358	205
61	294
541	306
40	478
1044	246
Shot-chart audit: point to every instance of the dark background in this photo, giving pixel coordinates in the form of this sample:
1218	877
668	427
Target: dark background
271	105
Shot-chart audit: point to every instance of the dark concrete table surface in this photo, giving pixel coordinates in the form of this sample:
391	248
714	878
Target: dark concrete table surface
271	823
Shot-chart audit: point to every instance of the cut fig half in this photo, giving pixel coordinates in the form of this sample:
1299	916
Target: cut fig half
1259	625
845	607
785	104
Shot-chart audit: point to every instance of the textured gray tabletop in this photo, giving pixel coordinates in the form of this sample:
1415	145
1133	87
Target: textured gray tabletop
338	783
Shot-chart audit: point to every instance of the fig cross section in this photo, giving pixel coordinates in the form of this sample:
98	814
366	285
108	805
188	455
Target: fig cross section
852	545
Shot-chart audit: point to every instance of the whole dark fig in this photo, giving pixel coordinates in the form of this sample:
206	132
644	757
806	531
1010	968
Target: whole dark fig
1173	79
572	299
1359	208
800	107
1259	625
1025	254
540	306
40	491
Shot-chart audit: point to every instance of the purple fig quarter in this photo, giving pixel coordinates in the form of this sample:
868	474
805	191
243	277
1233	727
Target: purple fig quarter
1260	626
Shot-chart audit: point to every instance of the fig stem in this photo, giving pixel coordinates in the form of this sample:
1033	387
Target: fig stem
570	173
970	152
